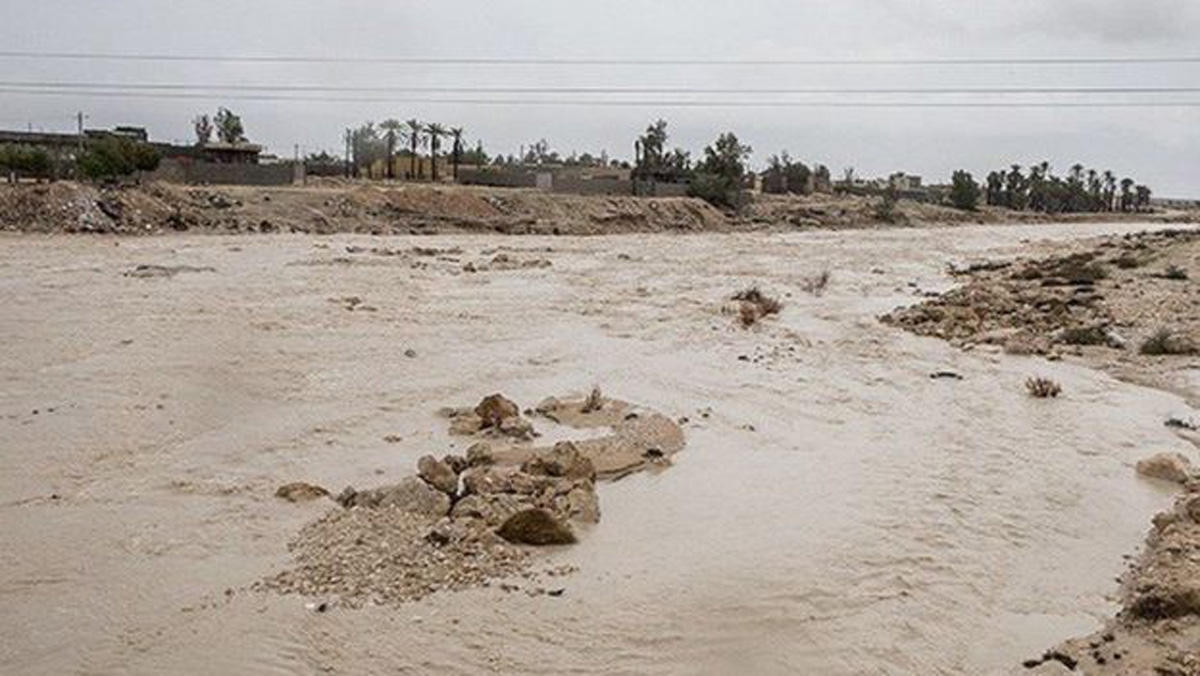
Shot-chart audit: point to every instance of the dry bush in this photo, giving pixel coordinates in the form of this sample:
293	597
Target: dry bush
1165	341
1043	388
816	284
754	305
1176	273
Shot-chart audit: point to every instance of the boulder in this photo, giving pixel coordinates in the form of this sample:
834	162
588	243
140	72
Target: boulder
563	461
495	408
1173	467
300	492
479	454
437	474
535	527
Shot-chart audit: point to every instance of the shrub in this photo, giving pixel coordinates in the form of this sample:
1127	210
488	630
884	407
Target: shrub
1090	335
1164	341
1043	388
816	284
1127	261
886	209
716	190
1176	273
964	191
112	157
755	305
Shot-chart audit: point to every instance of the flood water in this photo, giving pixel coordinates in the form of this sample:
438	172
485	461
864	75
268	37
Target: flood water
837	511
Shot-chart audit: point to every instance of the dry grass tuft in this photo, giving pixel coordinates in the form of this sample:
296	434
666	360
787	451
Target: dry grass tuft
816	284
1165	341
1176	273
755	305
1043	388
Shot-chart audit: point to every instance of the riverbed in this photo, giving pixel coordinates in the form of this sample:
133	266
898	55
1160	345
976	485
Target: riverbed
836	509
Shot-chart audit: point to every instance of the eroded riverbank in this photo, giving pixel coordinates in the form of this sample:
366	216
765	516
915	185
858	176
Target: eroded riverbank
836	509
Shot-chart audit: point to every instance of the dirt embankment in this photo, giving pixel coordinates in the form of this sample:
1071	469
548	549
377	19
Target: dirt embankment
343	206
1128	305
357	207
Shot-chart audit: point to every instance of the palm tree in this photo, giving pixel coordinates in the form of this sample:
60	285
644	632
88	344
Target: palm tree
1110	189
415	139
1126	193
1093	183
392	129
434	132
457	133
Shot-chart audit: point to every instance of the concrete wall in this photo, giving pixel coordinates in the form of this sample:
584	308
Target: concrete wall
183	171
500	178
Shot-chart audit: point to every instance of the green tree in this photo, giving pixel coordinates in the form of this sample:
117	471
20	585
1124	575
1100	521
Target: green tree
1126	194
204	130
718	177
229	127
115	156
964	191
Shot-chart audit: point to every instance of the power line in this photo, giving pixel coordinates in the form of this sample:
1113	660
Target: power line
663	103
140	86
535	61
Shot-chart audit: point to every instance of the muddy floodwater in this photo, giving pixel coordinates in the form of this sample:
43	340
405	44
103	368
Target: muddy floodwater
835	510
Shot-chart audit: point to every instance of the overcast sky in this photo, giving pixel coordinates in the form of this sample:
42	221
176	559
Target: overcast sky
1158	146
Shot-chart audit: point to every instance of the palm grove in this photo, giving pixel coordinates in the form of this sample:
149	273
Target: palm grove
1082	190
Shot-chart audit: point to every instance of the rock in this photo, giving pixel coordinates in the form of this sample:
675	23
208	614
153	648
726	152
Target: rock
495	408
456	463
581	504
485	481
564	460
479	454
412	495
535	527
465	425
1172	467
492	509
300	492
529	484
517	428
437	474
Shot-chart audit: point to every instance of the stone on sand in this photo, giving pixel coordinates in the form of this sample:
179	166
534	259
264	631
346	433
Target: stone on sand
535	527
437	474
1174	467
495	408
300	492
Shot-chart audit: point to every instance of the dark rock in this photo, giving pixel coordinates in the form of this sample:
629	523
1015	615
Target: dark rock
535	527
300	492
495	408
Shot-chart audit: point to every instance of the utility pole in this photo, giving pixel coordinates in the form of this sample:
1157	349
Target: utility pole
79	117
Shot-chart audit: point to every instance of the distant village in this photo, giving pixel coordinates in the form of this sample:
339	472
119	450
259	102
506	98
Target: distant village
415	151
